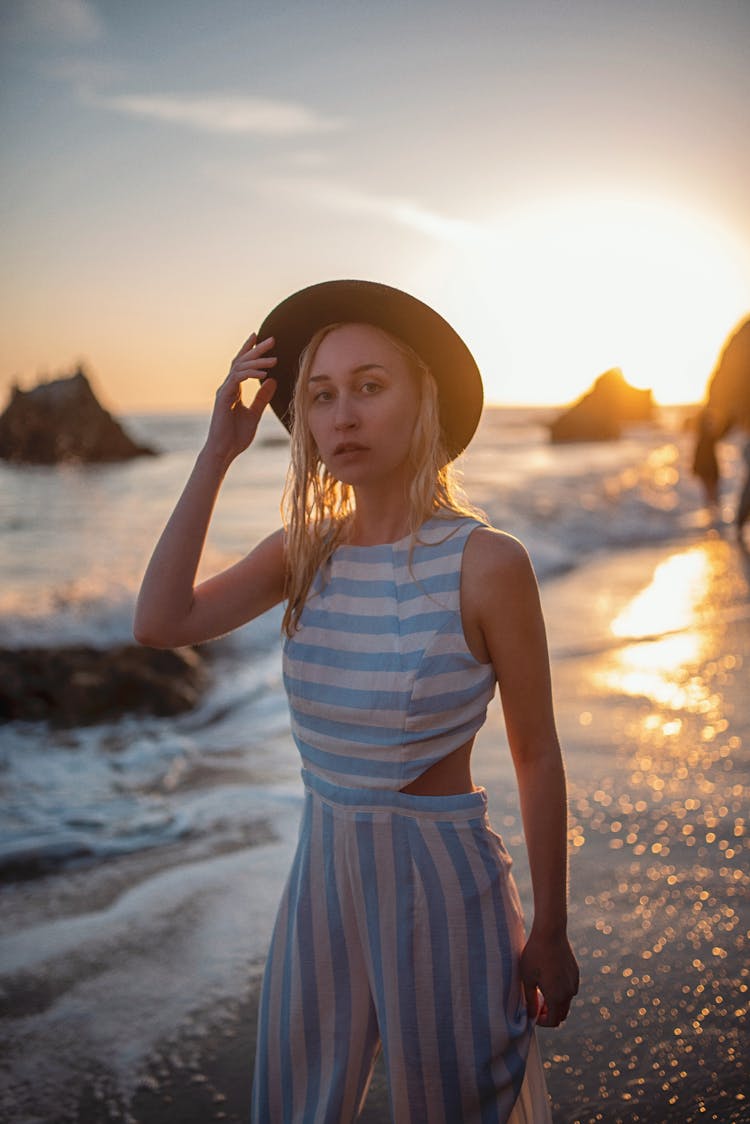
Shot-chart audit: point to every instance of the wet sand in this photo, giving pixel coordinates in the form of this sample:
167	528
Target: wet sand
658	737
154	1019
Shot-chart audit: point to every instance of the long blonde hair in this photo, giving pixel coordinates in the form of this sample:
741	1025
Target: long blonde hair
317	508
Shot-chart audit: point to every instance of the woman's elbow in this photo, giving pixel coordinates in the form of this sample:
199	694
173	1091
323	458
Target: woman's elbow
149	635
148	639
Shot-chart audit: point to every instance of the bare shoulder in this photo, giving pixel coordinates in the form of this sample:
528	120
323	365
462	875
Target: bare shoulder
496	556
499	595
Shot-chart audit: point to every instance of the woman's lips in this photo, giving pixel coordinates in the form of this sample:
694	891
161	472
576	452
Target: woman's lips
349	447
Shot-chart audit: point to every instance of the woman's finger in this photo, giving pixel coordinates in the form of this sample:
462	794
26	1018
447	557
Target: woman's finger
260	347
248	359
263	396
532	999
263	345
252	364
249	342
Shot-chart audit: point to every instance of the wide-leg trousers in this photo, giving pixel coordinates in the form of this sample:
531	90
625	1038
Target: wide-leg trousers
400	926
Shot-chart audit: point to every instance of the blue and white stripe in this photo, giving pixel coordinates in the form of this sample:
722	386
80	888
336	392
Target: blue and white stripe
399	924
380	680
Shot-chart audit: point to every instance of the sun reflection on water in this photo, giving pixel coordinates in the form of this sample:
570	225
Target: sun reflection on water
670	602
661	663
658	670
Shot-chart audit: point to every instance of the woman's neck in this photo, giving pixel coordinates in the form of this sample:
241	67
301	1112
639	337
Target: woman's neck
378	519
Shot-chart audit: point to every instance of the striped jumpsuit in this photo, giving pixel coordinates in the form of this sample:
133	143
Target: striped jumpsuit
400	925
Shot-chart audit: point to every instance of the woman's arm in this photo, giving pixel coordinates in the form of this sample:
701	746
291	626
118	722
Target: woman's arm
170	610
504	623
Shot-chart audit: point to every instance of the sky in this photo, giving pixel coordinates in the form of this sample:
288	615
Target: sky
566	181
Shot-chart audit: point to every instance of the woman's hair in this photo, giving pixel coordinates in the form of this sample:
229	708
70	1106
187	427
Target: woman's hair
317	507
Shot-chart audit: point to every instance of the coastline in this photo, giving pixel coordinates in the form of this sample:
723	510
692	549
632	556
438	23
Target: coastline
656	736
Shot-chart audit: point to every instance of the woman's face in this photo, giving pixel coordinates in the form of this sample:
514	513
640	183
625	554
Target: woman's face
362	405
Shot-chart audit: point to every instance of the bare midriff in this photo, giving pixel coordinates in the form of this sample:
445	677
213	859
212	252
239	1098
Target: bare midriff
448	777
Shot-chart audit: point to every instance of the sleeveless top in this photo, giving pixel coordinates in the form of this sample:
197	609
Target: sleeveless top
380	680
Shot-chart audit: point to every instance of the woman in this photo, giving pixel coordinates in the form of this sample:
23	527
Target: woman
400	924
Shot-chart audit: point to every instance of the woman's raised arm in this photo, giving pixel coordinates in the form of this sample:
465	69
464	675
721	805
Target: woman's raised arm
171	611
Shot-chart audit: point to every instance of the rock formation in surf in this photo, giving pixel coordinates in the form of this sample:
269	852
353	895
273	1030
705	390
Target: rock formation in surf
62	421
601	413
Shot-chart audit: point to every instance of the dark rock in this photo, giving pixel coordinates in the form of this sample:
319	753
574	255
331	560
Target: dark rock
79	686
602	412
63	421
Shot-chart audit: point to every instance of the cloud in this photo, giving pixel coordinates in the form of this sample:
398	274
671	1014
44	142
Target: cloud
72	21
393	209
85	74
213	113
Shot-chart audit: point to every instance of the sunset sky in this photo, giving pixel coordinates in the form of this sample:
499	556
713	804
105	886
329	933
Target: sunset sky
567	181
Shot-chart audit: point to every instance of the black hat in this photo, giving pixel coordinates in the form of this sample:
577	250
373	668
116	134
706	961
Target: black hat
295	321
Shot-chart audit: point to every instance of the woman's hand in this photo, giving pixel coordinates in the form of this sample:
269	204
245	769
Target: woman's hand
233	425
548	966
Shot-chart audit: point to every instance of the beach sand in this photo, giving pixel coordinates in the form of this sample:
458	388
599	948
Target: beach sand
657	733
131	996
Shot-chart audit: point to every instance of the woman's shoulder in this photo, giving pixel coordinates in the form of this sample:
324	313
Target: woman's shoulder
492	554
483	546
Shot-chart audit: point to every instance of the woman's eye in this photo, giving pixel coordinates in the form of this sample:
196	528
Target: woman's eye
370	387
322	396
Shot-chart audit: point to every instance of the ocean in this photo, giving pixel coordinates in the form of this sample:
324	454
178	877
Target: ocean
74	544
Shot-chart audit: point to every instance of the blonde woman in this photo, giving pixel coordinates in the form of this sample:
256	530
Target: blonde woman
400	925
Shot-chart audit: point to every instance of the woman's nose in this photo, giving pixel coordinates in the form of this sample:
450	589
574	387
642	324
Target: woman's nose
345	416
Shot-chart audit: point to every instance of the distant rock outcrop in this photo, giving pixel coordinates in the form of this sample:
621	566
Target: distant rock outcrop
601	413
63	421
80	686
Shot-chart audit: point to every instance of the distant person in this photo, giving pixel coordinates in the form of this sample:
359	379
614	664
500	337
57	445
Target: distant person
705	461
743	505
727	407
400	924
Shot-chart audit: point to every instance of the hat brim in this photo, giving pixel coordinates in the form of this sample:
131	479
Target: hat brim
295	321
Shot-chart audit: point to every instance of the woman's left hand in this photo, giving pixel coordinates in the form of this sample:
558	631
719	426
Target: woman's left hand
548	966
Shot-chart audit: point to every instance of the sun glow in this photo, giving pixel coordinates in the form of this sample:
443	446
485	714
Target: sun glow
556	293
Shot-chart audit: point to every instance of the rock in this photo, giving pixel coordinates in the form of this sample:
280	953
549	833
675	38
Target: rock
80	686
62	421
601	413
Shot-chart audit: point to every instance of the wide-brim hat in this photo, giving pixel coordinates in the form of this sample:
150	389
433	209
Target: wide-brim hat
295	321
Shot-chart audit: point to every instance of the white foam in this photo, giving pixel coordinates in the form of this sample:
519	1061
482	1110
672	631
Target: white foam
180	943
